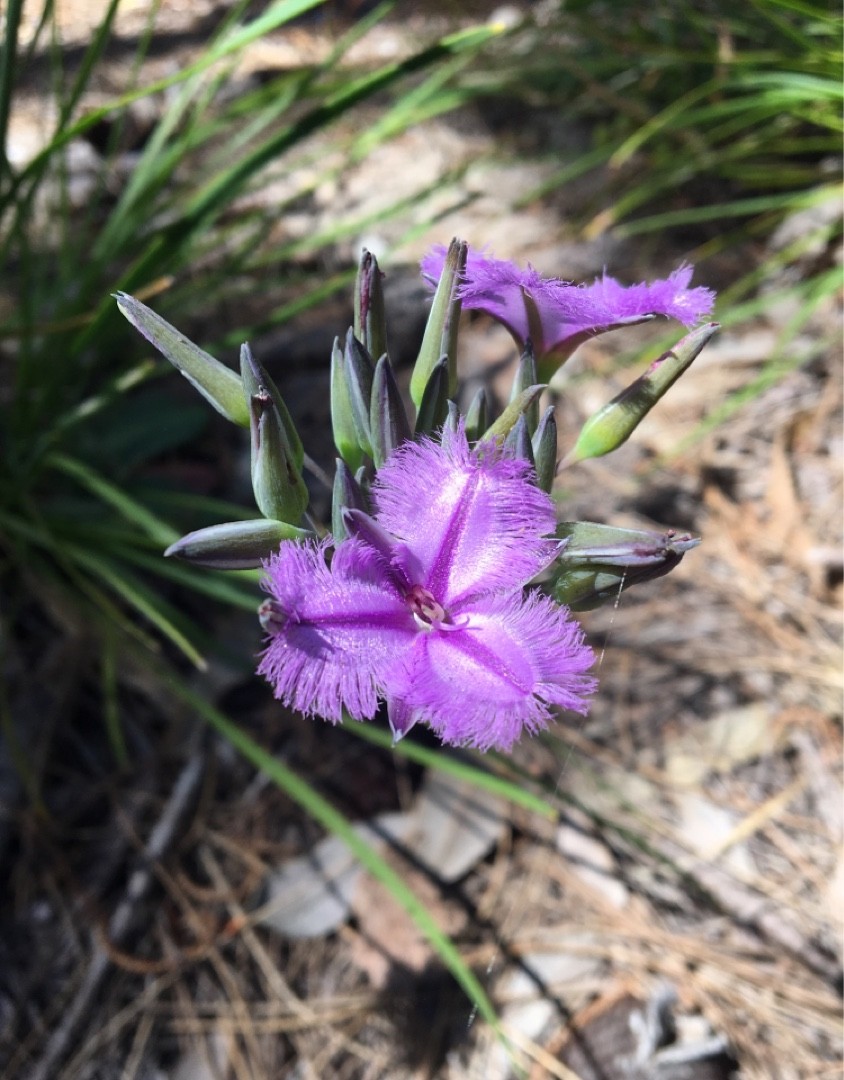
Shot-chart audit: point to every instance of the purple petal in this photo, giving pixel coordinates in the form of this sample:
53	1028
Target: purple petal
497	287
401	717
335	632
472	523
485	685
671	297
552	312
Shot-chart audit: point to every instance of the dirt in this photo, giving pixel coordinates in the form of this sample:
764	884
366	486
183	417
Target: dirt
680	917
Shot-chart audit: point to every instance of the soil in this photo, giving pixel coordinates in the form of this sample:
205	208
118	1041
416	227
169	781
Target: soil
681	914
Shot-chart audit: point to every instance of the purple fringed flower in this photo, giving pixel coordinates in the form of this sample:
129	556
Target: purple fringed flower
557	315
424	605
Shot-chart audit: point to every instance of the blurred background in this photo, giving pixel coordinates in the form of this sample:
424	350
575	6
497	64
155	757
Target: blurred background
655	891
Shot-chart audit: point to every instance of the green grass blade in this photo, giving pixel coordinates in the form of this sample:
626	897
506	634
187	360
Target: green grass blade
322	811
206	507
21	760
276	15
113	496
355	33
110	392
222	587
111	703
8	64
140	597
221	189
444	762
759	204
60	558
93	54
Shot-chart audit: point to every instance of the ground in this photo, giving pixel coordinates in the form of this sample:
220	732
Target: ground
679	914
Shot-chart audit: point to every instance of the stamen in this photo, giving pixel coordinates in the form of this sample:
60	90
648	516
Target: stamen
427	612
272	617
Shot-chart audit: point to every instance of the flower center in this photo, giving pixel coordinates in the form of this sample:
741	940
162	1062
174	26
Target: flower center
427	612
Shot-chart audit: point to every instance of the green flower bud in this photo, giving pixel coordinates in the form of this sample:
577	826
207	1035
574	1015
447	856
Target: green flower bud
452	420
433	409
509	418
526	377
234	545
342	418
370	315
440	338
255	380
518	441
359	371
218	384
476	416
389	426
280	491
598	561
545	450
347	495
612	425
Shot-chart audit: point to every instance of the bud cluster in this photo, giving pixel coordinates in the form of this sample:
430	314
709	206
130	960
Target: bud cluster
371	420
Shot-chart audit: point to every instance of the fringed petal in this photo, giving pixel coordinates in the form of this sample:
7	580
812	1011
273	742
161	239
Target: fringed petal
474	522
562	310
501	676
333	633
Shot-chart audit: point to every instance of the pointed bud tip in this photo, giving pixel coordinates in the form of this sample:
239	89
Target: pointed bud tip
247	357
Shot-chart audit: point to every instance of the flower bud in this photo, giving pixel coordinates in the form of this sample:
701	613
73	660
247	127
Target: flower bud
360	525
598	561
612	425
545	450
218	384
359	371
370	315
526	377
255	379
279	489
342	419
234	545
476	416
518	441
277	452
433	408
508	419
440	338
388	423
452	420
347	495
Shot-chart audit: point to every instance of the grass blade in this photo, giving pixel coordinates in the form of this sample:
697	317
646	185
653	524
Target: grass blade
140	597
111	704
322	811
133	511
8	64
454	766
